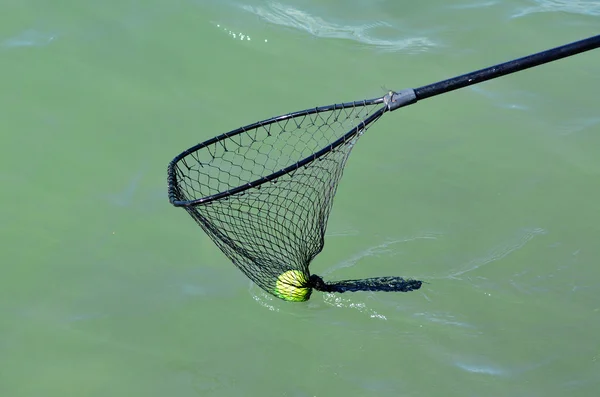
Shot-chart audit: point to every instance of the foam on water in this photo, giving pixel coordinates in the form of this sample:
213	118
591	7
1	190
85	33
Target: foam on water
339	301
329	299
289	16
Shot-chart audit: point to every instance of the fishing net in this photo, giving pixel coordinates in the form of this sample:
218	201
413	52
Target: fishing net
264	192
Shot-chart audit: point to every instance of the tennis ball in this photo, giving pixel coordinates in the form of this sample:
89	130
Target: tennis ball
291	286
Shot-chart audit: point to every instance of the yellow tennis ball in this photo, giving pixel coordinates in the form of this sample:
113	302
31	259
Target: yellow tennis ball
291	286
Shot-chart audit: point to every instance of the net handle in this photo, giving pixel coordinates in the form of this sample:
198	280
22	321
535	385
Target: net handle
410	96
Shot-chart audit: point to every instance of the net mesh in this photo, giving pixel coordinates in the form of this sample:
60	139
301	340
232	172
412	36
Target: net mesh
279	223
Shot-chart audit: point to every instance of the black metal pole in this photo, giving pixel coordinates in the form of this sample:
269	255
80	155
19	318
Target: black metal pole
507	68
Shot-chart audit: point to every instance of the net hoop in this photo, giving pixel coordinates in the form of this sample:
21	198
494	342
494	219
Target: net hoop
173	189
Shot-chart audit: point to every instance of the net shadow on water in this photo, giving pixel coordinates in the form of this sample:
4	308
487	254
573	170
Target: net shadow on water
365	303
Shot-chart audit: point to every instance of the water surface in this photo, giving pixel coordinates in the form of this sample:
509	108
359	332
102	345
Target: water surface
489	194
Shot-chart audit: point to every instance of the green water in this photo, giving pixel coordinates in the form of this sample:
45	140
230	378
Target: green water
489	194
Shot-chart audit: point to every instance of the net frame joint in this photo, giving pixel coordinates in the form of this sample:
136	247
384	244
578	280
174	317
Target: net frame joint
395	100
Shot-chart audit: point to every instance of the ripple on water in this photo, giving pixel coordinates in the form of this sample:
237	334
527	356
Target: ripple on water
476	4
498	252
383	248
582	7
484	366
288	16
445	319
577	125
506	100
29	38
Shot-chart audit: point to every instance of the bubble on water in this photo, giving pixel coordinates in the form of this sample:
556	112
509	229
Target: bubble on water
236	35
